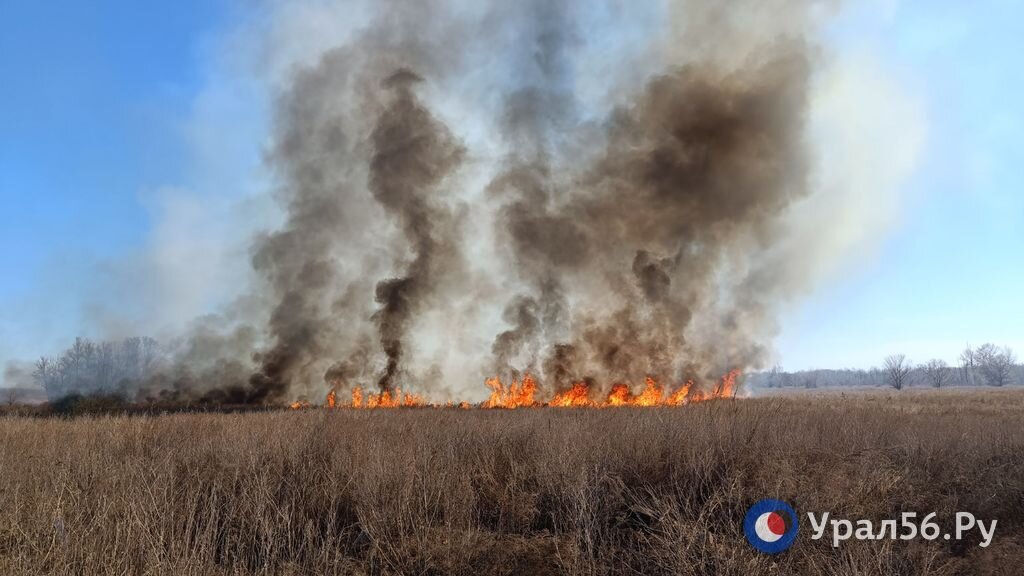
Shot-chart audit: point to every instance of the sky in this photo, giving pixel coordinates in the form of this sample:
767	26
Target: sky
90	111
951	270
120	121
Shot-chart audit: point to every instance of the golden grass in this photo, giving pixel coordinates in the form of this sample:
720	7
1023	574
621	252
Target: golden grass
534	491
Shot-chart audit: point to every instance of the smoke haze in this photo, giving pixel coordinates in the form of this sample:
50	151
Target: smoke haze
631	241
577	190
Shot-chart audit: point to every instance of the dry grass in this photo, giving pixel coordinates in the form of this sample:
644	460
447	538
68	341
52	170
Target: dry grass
547	491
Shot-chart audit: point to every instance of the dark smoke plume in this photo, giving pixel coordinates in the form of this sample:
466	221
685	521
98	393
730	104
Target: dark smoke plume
459	203
360	158
413	153
693	176
635	239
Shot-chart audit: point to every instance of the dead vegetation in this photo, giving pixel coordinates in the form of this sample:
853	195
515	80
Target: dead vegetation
534	491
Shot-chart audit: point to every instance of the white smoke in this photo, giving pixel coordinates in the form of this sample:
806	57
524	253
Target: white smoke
864	134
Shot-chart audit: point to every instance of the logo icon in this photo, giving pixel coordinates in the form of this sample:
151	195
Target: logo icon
771	526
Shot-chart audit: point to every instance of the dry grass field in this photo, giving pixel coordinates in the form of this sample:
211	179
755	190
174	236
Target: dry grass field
529	491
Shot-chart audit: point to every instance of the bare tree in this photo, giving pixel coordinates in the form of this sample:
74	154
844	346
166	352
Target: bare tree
937	372
877	377
46	376
89	368
897	368
811	379
967	361
12	396
995	363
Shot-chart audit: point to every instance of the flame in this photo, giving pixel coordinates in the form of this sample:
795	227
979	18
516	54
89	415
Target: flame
654	394
575	397
679	397
726	387
651	395
523	395
385	399
514	396
619	396
397	400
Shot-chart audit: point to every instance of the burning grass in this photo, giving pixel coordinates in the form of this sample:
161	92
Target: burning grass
653	491
525	394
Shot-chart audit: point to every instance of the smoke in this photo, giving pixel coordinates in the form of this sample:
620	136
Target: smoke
645	253
412	154
369	238
639	238
18	375
578	190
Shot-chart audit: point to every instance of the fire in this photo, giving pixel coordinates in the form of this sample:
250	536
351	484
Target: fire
680	396
576	397
515	396
726	387
524	395
651	395
619	396
385	399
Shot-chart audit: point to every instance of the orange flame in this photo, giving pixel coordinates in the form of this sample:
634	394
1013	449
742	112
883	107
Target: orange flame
514	396
388	400
523	395
679	397
651	395
619	396
576	397
726	387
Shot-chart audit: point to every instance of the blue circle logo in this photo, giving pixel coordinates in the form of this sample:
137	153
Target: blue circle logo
771	526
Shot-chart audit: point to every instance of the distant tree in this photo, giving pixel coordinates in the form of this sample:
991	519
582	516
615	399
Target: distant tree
877	376
967	361
936	371
811	378
995	363
12	395
47	375
88	368
897	368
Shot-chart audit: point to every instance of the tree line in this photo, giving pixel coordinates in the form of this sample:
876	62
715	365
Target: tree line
986	365
89	368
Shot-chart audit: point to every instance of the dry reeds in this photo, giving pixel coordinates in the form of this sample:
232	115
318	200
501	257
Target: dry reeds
528	491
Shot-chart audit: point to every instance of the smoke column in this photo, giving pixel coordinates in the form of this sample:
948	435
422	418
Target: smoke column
578	190
639	242
412	154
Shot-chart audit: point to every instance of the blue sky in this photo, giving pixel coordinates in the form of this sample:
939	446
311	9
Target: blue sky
98	109
951	271
91	108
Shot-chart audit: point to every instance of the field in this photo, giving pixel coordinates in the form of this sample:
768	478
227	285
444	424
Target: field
528	491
